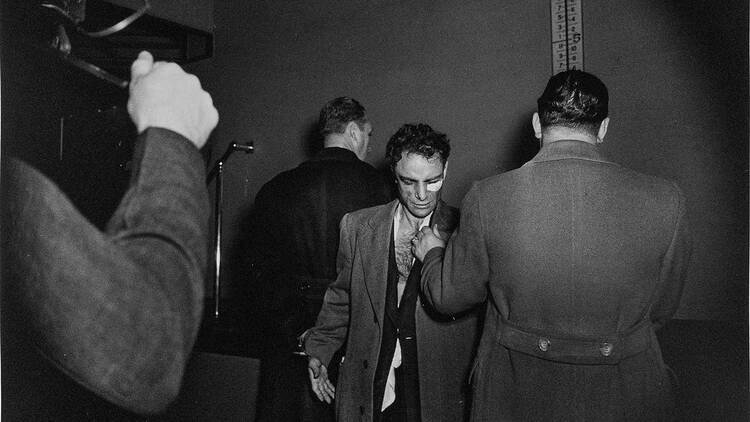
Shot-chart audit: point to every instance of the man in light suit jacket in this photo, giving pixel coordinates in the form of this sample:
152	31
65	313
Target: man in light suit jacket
581	260
403	361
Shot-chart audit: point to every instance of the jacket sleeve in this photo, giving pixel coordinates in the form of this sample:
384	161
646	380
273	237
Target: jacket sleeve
118	311
674	267
332	325
455	279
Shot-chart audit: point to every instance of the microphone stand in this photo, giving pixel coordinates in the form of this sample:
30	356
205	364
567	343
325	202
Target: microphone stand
218	172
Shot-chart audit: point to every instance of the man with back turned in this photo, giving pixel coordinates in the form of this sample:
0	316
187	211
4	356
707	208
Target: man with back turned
580	259
294	239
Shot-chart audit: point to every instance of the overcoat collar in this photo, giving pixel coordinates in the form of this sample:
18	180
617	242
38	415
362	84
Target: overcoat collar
378	236
334	153
561	150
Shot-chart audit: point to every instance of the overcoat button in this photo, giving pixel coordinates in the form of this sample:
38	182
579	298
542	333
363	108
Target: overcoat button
361	410
606	349
364	363
544	344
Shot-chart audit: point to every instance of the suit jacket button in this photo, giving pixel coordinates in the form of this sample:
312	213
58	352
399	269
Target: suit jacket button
544	344
606	349
364	363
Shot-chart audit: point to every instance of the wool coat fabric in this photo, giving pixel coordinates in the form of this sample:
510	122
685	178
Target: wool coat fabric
580	261
90	316
353	313
294	234
289	263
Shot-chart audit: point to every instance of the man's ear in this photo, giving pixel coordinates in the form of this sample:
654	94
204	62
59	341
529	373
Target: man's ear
537	125
354	134
602	130
352	130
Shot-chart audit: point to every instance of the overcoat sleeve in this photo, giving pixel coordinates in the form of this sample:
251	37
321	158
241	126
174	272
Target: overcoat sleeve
118	311
455	279
674	267
332	325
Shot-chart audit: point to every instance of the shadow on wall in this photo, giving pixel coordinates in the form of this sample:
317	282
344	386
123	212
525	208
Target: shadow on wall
512	150
525	147
716	35
310	140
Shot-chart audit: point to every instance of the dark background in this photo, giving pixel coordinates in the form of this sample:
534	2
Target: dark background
677	71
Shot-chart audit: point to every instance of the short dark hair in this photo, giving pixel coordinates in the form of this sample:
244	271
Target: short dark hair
419	139
574	99
337	113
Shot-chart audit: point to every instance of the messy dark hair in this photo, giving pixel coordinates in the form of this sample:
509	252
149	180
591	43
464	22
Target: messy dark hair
419	139
574	99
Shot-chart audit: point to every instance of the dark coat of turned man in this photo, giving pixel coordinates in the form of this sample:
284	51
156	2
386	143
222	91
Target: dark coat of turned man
294	238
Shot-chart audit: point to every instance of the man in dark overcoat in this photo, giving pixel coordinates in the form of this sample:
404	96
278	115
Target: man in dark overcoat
581	260
403	361
293	252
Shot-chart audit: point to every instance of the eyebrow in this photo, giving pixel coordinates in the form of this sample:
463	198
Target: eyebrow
409	179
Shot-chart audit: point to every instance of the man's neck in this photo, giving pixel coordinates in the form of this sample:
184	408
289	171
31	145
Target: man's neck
561	133
408	221
338	141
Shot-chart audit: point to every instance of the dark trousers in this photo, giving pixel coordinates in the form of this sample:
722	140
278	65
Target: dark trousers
285	394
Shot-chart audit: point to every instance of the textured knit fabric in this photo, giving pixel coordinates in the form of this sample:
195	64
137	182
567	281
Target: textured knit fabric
116	312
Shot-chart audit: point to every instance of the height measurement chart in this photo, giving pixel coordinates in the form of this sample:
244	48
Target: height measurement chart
567	35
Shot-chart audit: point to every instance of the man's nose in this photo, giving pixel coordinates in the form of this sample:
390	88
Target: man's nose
421	191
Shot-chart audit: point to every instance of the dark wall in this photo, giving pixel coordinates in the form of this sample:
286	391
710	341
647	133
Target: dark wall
679	77
677	72
67	123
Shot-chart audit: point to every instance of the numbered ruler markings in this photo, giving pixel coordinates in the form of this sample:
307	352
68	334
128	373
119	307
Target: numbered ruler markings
567	35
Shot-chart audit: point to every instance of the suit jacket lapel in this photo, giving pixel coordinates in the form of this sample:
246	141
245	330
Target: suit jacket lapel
391	289
375	248
438	216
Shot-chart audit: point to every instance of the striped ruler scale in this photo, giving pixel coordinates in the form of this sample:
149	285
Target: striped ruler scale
567	35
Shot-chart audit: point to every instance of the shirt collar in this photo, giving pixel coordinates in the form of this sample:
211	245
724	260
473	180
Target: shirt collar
564	149
335	153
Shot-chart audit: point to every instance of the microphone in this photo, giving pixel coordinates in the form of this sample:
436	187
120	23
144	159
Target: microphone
247	147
